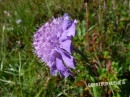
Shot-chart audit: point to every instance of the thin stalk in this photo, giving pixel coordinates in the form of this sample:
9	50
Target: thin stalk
82	55
2	86
2	48
105	25
48	8
85	59
88	89
20	74
100	23
87	34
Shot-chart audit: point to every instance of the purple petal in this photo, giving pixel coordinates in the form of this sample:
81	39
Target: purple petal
75	21
65	73
59	64
68	59
71	30
63	36
66	45
18	21
65	23
66	16
51	61
53	70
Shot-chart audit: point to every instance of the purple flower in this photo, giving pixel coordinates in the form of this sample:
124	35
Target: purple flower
18	21
52	43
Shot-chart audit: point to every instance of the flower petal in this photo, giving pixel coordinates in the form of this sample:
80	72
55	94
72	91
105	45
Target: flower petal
63	36
66	16
53	70
65	21
66	45
59	65
65	73
68	59
71	30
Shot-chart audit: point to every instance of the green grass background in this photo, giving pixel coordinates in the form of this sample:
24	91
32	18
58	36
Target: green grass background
22	75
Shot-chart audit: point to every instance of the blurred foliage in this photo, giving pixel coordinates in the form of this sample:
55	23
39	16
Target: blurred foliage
108	60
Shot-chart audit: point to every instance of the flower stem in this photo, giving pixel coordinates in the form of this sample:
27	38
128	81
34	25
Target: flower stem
82	55
85	58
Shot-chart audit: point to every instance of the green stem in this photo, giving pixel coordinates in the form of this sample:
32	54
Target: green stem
89	68
82	55
20	73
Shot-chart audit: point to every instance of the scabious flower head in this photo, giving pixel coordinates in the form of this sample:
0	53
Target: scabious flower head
52	44
18	21
7	13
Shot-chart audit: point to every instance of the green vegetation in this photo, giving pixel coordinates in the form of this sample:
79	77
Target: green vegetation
103	36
